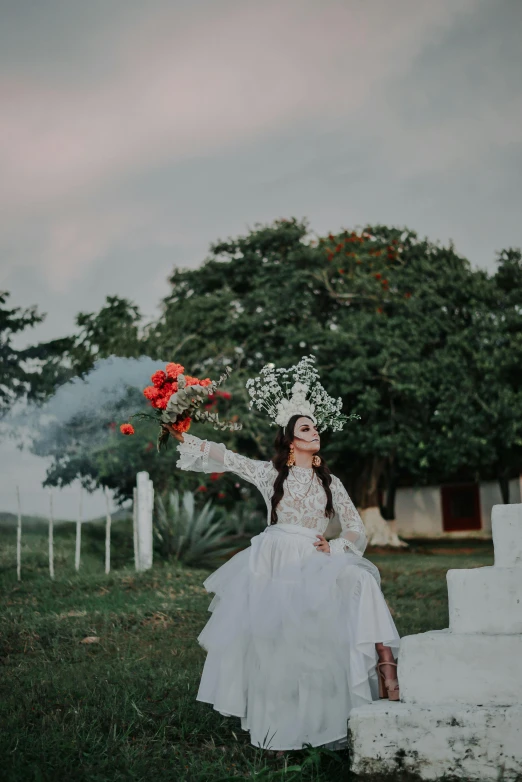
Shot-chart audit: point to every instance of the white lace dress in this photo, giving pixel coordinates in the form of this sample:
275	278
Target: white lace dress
291	639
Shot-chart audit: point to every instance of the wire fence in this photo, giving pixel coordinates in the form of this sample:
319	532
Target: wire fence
46	504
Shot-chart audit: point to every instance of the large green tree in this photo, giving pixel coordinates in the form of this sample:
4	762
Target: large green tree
411	336
29	373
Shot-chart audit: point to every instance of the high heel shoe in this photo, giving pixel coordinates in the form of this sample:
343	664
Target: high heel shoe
388	688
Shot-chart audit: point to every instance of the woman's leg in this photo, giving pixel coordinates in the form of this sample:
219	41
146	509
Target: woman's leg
386	656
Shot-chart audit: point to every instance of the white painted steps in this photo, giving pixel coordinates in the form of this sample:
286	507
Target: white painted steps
460	712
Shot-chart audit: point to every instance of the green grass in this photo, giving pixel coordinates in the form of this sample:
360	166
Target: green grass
125	708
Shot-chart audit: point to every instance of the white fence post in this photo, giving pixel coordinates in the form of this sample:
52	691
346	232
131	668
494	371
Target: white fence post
145	497
51	535
19	538
135	528
107	533
79	532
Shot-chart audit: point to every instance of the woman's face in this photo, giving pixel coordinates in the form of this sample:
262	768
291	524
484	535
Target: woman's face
306	436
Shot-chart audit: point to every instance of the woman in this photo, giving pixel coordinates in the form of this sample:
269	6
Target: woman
298	621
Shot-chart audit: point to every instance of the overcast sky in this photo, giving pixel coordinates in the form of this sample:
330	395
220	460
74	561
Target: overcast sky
133	134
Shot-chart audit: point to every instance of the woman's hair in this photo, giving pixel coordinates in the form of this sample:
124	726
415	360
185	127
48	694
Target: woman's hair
282	444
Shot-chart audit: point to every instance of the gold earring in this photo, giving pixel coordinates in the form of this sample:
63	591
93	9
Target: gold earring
316	461
291	457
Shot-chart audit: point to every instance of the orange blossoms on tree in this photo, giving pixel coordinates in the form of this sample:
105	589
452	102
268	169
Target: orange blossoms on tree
127	429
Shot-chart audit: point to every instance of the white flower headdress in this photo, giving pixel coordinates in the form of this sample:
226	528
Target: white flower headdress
283	393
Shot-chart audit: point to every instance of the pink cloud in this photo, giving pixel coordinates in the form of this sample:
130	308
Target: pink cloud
183	85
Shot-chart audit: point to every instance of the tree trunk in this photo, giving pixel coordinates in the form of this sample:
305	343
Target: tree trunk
503	481
379	532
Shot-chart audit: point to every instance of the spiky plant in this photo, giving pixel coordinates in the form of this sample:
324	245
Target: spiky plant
190	535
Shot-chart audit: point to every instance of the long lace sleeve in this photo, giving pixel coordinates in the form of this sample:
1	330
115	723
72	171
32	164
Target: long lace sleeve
206	456
353	535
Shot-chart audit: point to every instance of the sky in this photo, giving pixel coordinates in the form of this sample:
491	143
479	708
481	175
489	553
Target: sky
133	135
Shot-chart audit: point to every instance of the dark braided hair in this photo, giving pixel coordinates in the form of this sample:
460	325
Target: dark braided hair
282	444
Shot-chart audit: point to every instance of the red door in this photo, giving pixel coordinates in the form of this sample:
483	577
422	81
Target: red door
460	507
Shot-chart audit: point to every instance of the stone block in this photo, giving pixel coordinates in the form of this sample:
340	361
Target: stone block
485	600
464	742
506	527
444	667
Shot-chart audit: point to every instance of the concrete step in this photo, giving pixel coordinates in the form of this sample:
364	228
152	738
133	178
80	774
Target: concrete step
445	667
464	742
485	600
506	526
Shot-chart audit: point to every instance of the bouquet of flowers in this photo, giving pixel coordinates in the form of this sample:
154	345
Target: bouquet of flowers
177	400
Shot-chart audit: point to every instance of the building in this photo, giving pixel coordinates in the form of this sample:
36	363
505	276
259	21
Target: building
453	510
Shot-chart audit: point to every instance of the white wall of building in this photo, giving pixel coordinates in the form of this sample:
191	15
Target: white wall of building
418	511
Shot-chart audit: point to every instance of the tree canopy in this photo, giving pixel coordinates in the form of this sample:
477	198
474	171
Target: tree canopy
33	372
425	348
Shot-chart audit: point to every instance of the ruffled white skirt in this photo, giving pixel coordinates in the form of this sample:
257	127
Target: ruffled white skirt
291	640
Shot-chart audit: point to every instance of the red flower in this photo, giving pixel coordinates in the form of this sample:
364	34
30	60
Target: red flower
214	476
222	394
202	488
330	256
407	295
378	276
380	310
331	237
339	248
158	378
183	425
195	381
173	370
127	429
221	495
341	271
151	393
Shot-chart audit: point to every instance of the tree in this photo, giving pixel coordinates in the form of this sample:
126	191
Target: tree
481	380
400	326
31	373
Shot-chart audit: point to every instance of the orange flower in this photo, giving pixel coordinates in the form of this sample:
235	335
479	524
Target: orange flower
158	378
173	370
183	426
151	393
195	381
127	429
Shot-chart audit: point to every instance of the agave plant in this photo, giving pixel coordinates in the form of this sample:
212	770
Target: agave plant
191	535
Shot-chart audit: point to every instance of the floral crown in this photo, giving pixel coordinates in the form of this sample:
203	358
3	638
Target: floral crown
283	393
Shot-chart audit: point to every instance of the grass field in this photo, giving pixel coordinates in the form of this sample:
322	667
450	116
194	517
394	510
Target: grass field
124	708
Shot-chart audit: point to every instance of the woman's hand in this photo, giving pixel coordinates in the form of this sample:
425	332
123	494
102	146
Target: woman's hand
174	433
322	544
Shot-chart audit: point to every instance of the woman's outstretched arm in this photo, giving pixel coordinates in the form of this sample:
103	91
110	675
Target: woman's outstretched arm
206	456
